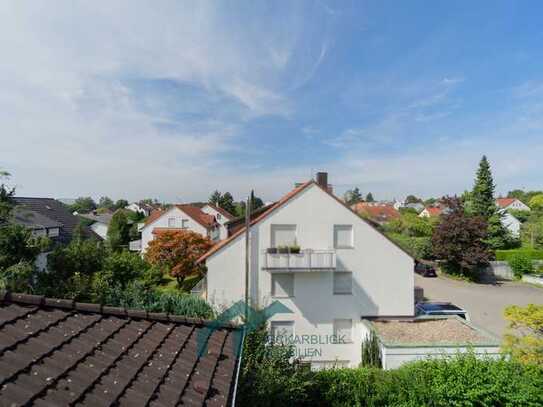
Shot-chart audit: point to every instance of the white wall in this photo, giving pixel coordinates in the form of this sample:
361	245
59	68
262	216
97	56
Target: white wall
518	205
383	280
220	218
394	357
162	222
511	223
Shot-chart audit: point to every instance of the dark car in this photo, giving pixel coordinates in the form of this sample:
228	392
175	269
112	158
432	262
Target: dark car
425	270
440	308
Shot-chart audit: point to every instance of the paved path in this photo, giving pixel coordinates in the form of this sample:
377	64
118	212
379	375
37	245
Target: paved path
484	302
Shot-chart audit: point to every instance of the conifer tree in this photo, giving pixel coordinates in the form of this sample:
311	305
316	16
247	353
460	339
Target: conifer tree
482	197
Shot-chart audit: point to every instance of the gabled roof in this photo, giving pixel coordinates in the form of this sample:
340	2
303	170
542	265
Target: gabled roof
104	218
378	212
505	202
204	219
285	199
434	210
56	211
32	219
59	352
222	211
154	215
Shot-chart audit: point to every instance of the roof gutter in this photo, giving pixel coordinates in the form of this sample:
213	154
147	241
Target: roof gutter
239	367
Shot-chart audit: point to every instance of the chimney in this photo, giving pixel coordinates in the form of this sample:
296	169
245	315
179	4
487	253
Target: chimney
322	179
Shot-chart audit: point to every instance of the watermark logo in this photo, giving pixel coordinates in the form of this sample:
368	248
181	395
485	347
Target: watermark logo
253	319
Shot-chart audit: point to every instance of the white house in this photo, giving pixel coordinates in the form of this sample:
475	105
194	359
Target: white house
100	222
511	203
221	216
511	223
141	207
345	271
179	217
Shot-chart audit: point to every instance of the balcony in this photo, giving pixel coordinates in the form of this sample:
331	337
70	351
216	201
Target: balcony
306	261
134	246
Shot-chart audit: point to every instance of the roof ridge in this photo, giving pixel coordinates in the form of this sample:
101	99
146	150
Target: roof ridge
43	301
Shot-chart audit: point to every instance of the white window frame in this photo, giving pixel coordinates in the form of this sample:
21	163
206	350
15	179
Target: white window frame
184	223
274	227
273	294
335	289
172	222
283	322
53	232
335	330
343	227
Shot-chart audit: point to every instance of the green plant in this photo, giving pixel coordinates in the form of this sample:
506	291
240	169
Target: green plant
18	277
371	352
506	255
521	264
295	249
524	340
282	249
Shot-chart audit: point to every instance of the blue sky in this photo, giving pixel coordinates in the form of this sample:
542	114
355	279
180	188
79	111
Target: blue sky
175	99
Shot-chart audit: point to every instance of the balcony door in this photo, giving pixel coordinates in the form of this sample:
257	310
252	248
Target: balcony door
283	235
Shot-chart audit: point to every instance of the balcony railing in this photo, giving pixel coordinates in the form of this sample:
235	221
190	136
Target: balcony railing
134	245
306	260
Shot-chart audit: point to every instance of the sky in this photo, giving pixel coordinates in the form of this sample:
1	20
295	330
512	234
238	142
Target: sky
172	100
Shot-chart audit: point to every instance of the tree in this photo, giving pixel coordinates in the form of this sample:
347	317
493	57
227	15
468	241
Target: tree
225	201
83	204
105	202
256	203
524	342
498	236
352	196
536	202
6	198
118	233
459	240
178	251
369	197
412	199
121	203
17	245
482	199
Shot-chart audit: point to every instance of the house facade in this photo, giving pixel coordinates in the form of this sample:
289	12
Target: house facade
511	203
431	211
179	217
342	270
222	217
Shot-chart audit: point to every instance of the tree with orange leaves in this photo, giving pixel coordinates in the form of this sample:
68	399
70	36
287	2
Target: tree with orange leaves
178	250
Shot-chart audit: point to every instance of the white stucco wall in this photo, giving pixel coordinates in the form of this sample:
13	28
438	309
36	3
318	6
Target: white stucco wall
394	357
383	279
518	205
162	222
221	220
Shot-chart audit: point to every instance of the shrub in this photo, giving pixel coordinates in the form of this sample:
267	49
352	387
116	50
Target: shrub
521	264
17	278
524	339
505	255
371	353
418	247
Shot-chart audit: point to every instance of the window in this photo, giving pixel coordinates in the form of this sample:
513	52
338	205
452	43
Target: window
218	216
343	330
184	223
171	222
343	236
343	282
282	331
282	285
283	235
53	232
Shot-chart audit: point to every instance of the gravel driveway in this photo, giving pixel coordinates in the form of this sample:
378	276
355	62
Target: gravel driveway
484	302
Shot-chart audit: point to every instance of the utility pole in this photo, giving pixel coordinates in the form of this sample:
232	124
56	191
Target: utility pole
247	234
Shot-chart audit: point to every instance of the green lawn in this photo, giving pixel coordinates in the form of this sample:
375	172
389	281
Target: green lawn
170	284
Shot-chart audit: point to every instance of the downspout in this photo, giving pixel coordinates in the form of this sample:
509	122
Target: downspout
239	368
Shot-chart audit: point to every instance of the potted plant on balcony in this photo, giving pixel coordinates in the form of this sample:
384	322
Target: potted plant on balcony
271	250
282	249
294	249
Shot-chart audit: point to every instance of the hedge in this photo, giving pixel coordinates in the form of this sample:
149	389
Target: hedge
506	255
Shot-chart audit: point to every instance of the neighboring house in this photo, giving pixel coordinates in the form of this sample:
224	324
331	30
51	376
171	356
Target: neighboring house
58	352
511	203
141	207
431	211
511	223
47	217
178	217
346	271
100	222
222	216
377	212
238	223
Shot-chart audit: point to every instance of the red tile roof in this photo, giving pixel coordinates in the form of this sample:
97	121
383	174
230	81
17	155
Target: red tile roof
204	219
157	213
505	202
380	213
57	352
280	203
222	211
434	210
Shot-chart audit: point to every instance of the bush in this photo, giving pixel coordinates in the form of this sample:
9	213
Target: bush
17	278
506	255
371	353
418	247
521	264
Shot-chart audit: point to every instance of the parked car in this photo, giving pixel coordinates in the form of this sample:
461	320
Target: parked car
440	308
425	270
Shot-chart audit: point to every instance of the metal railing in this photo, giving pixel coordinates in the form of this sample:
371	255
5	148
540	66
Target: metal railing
305	260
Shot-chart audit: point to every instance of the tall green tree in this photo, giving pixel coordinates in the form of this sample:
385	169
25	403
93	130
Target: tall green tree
83	204
369	197
352	196
256	203
106	202
121	203
482	197
118	233
6	197
225	201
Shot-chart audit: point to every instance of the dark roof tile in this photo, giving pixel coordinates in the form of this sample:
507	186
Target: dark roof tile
60	353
